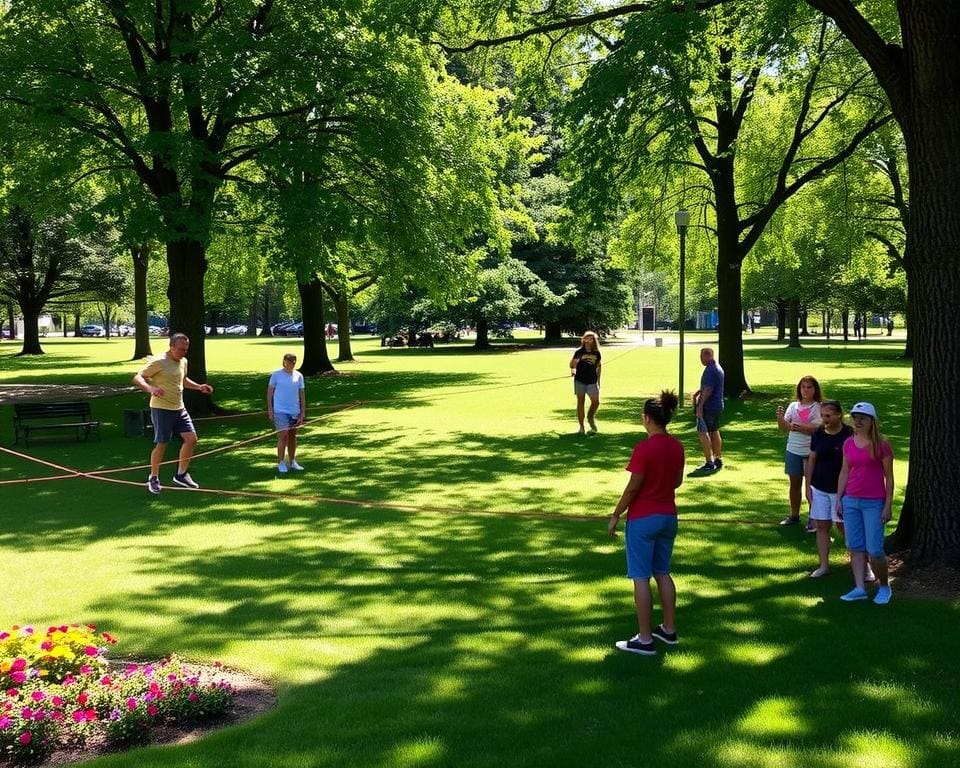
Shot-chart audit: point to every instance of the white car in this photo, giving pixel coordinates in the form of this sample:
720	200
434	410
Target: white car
235	330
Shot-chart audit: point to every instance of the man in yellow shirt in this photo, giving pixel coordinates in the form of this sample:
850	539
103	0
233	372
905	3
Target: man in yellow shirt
164	379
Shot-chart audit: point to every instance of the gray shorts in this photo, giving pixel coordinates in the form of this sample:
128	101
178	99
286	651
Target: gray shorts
710	421
167	423
579	388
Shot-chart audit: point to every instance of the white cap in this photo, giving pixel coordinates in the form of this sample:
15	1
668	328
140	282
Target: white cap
865	408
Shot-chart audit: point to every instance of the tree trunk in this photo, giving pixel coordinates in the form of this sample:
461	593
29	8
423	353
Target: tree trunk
31	331
106	320
551	332
926	103
793	318
76	323
729	307
804	331
781	306
315	357
63	325
342	303
826	324
267	329
907	322
13	320
483	334
187	262
253	316
141	321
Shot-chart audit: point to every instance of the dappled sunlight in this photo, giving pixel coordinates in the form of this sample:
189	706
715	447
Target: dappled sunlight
753	653
774	718
869	749
425	750
684	662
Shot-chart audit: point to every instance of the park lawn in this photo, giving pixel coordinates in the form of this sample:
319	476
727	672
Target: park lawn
473	623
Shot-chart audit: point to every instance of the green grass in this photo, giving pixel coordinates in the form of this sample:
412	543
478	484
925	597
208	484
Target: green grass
456	630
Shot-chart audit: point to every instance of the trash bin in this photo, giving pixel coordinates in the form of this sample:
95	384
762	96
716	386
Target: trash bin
658	342
136	422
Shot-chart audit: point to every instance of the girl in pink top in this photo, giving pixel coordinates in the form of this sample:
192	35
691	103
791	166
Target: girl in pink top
864	499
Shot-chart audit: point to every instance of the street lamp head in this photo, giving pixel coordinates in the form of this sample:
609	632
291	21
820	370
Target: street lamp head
682	218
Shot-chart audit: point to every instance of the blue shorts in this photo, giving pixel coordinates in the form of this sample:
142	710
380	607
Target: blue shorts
794	464
650	545
863	528
710	421
167	423
285	421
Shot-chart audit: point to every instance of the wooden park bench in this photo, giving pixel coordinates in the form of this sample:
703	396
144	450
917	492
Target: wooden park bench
33	417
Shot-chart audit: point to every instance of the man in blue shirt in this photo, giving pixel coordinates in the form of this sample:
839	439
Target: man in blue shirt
708	401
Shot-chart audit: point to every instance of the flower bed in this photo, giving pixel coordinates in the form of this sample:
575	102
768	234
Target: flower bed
59	689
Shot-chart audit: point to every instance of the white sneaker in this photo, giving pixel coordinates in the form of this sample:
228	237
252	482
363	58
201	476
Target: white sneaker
296	466
282	468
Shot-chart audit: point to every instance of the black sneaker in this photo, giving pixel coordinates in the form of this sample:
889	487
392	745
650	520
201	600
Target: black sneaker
707	469
153	484
718	464
633	645
185	480
670	638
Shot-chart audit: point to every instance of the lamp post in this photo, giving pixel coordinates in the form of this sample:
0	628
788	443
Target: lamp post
682	219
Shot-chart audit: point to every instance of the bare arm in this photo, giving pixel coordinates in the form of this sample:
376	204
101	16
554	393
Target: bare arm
842	486
629	492
270	390
808	474
888	482
303	406
189	383
146	386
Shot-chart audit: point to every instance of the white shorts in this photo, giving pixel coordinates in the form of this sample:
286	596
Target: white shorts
823	506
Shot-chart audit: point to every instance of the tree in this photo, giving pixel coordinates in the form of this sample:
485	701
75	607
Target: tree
41	261
711	82
186	97
914	57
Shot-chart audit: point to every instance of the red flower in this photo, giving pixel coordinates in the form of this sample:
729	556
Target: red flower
46	645
131	704
82	698
26	737
105	680
18	664
152	710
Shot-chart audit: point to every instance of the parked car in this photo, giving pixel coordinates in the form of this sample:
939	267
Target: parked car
294	329
280	329
156	330
91	330
235	330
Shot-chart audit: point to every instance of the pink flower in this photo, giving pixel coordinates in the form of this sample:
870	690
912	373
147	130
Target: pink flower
57	715
5	722
82	698
57	701
18	665
26	737
11	692
131	668
86	669
69	680
27	631
38	695
17	677
82	715
131	704
46	645
105	680
152	710
26	713
4	635
193	696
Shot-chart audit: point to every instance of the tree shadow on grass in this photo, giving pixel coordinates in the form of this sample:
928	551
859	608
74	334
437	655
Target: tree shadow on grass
488	641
